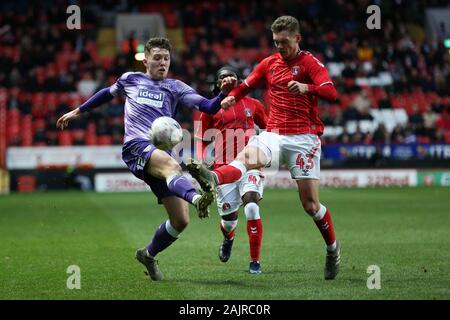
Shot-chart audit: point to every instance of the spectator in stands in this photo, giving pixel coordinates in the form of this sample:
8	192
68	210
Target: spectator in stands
384	102
361	103
351	114
344	137
397	135
416	120
381	135
414	63
25	105
358	136
410	137
429	122
326	118
13	99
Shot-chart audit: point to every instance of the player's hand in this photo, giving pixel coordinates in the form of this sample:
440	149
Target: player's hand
228	102
296	87
228	84
63	122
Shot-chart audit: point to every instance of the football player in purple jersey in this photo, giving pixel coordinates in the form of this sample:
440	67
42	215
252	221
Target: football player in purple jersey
148	96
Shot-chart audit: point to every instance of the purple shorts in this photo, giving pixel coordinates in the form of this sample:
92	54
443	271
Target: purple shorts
136	154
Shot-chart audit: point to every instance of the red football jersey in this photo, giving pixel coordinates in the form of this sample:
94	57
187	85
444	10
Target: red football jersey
234	127
289	113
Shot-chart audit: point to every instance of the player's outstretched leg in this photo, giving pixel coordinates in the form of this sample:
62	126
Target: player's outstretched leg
209	179
164	167
183	188
150	263
202	204
205	177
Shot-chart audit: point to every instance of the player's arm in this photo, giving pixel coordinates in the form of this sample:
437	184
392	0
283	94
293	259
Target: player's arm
322	86
200	143
260	116
99	98
326	91
191	98
253	81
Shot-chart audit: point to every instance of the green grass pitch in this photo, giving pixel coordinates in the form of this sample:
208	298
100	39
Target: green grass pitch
404	231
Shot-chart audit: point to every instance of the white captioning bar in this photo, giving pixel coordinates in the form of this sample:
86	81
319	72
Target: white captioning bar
40	157
119	182
125	182
349	178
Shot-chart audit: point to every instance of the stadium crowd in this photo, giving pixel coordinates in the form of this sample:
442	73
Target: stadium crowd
393	84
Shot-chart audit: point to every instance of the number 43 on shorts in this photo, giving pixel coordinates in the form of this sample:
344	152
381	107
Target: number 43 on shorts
308	165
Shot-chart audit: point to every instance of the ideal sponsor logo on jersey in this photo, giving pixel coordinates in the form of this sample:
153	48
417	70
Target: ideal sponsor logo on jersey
151	98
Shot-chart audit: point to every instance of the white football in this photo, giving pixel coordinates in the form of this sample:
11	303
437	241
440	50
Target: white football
165	133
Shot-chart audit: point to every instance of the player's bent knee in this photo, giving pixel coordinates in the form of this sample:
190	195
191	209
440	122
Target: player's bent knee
171	168
241	157
251	211
230	217
250	197
180	223
311	207
252	158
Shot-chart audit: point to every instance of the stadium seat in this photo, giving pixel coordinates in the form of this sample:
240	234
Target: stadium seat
377	115
13	116
104	140
447	136
351	126
91	128
388	119
333	131
78	136
90	139
368	126
64	138
423	139
401	117
38	124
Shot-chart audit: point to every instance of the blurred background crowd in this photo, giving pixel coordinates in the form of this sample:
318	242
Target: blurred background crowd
393	84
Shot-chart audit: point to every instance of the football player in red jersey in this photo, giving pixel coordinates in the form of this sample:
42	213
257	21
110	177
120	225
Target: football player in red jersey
232	129
295	79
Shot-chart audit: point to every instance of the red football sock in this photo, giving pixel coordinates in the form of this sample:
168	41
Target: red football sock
254	230
226	234
227	174
326	228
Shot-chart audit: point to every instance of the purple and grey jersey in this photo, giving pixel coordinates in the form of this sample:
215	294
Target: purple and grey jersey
148	99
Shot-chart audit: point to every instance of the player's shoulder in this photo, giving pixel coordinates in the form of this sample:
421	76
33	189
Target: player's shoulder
307	56
131	75
175	81
272	58
177	84
248	99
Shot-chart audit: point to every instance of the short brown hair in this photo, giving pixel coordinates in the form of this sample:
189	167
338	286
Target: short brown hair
287	23
157	42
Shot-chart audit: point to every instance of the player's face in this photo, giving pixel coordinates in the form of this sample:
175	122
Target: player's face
286	44
157	63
